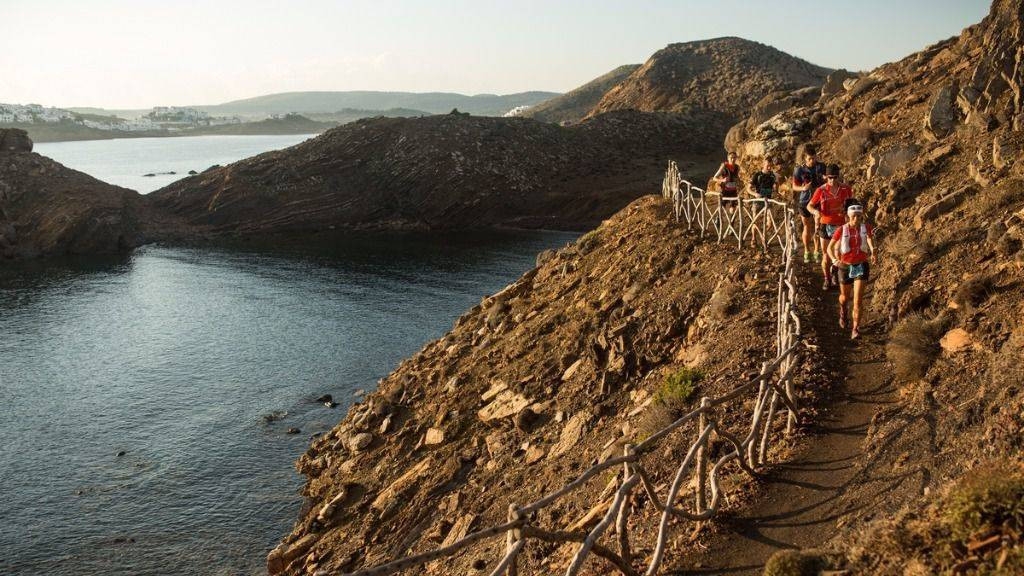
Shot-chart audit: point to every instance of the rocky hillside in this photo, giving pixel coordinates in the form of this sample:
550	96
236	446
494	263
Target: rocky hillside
47	209
604	342
933	143
720	79
575	104
452	171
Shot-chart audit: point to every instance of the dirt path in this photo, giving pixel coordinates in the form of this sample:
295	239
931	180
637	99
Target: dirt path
801	501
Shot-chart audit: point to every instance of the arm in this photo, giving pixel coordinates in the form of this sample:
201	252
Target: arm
871	246
811	206
718	174
831	250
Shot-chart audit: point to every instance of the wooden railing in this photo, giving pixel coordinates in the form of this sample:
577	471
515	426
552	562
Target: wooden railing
772	390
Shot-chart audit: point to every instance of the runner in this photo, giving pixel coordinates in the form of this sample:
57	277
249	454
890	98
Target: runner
847	248
728	178
806	179
764	183
827	205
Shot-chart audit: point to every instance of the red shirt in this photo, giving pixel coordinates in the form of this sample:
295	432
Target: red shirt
856	255
830	202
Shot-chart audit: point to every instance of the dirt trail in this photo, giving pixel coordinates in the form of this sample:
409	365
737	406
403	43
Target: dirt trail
801	501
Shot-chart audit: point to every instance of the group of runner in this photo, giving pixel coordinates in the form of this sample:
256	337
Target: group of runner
835	231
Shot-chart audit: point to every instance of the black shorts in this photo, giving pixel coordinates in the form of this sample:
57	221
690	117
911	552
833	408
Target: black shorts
827	230
844	273
802	200
730	198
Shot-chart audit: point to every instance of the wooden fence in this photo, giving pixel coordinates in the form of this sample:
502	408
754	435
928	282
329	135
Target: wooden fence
767	224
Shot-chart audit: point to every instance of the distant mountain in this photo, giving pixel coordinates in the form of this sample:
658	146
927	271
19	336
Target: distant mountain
574	105
721	77
330	102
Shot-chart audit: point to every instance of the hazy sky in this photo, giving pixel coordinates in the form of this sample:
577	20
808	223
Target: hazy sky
142	53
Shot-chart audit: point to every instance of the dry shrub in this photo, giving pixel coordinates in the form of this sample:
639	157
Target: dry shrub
723	301
909	242
795	563
1007	366
974	291
588	242
987	498
671	400
913	345
995	199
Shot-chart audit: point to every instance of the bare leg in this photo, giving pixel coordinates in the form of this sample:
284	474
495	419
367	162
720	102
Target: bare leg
844	297
858	291
810	245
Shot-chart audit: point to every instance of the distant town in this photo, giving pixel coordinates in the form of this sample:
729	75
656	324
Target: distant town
169	118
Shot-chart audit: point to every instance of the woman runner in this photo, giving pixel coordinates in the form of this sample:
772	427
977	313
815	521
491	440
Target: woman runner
846	248
728	178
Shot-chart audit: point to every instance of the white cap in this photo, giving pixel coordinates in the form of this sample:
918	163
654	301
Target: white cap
854	209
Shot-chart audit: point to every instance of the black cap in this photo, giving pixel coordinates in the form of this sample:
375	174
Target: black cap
832	170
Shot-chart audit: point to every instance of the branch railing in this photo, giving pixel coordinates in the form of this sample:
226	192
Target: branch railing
772	391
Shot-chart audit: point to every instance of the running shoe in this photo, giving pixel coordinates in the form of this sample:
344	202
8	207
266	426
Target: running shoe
826	284
855	334
842	317
817	257
807	257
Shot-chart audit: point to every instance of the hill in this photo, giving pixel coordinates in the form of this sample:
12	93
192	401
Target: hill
452	171
932	144
575	104
330	102
720	78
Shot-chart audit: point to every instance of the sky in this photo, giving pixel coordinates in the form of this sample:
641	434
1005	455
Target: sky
144	53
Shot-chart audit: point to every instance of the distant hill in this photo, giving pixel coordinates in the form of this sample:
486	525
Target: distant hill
722	77
330	102
574	105
346	115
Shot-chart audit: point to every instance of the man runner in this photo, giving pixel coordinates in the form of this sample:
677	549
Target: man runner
728	178
828	205
806	179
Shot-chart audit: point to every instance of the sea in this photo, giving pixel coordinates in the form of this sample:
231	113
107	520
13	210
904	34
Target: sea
146	399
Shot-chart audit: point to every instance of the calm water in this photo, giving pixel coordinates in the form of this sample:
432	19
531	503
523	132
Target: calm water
175	356
126	161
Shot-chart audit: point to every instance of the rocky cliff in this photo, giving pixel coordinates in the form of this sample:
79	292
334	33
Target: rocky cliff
47	209
720	79
558	370
443	172
933	143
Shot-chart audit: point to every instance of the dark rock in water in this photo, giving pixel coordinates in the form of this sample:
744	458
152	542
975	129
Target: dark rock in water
150	175
274	416
121	453
294	431
192	172
325	398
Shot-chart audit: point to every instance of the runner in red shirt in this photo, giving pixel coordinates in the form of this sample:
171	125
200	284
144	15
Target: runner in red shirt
827	205
853	249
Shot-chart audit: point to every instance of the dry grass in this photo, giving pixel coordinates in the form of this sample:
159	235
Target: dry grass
588	242
913	345
994	200
908	242
671	400
974	291
987	498
795	563
723	302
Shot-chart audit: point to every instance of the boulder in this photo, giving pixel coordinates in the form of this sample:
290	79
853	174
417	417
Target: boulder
884	164
834	82
1002	152
14	140
280	557
941	117
944	204
955	340
853	143
360	441
571	434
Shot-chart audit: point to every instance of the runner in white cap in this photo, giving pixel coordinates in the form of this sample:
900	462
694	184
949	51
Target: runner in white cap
847	250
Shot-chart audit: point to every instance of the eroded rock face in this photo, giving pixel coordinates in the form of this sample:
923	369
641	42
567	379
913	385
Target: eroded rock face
47	209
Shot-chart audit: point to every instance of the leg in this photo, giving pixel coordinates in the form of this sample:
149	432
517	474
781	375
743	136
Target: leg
808	235
858	291
844	297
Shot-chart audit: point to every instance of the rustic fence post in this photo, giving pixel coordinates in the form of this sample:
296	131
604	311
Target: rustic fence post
622	521
511	537
702	457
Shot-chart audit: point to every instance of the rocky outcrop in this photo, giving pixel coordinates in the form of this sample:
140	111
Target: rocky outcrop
574	105
443	172
722	78
558	370
47	209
